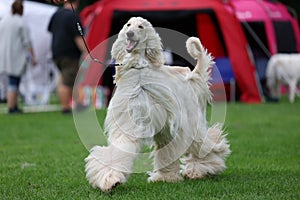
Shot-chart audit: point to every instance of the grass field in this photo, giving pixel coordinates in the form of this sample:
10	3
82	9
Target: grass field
42	158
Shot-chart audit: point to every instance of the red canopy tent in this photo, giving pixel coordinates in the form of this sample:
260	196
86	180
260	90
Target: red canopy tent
279	27
270	27
218	29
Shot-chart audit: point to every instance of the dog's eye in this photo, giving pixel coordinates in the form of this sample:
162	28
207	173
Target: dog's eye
140	26
128	24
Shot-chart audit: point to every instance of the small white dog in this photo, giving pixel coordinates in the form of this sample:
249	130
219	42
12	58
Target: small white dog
161	105
284	69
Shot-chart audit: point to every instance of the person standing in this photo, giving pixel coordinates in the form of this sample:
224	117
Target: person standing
67	48
15	47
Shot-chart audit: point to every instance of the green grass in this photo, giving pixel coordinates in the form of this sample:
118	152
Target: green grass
42	158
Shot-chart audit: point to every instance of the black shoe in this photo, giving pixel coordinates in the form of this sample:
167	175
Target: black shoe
14	111
66	111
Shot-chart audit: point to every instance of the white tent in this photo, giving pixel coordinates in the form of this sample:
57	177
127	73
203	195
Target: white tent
39	81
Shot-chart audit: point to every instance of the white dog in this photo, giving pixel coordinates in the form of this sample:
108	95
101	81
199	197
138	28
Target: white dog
284	69
161	105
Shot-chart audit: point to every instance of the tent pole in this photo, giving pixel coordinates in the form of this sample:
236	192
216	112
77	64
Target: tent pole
257	39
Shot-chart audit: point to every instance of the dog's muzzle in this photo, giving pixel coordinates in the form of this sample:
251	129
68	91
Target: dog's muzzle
131	43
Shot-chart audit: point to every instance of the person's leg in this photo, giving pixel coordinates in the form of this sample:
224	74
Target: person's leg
68	78
12	99
65	95
12	94
69	68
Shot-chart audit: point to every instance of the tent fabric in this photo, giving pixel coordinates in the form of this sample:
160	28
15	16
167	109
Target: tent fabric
98	21
207	31
268	12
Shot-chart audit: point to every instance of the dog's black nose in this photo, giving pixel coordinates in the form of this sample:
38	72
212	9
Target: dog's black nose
130	34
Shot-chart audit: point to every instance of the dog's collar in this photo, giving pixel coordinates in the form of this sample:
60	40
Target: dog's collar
141	64
137	68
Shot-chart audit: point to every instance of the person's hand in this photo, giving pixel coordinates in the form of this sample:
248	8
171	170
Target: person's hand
34	61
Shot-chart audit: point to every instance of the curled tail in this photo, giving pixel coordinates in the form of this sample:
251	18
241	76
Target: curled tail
199	53
200	76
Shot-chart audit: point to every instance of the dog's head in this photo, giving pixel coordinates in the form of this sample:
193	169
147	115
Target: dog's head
138	37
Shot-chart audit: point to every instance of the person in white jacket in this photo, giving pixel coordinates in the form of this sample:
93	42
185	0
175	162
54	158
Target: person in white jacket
15	49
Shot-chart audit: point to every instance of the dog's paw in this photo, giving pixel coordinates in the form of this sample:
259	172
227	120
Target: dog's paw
192	174
164	177
110	182
99	174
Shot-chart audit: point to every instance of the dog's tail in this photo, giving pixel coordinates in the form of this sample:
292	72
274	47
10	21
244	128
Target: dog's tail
199	53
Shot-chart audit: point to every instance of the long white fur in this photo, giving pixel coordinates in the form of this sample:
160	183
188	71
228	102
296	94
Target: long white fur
159	105
284	69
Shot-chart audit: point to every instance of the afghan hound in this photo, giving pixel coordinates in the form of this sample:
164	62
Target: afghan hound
284	69
158	105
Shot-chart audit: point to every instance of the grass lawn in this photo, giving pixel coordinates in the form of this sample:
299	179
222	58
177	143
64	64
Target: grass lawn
42	158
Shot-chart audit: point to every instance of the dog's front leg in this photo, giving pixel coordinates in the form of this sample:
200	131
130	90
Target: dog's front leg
109	166
166	162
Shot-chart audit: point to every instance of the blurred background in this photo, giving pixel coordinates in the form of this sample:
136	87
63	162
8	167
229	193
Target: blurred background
241	34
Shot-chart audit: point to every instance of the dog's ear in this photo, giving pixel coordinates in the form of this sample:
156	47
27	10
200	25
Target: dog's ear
154	50
118	49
